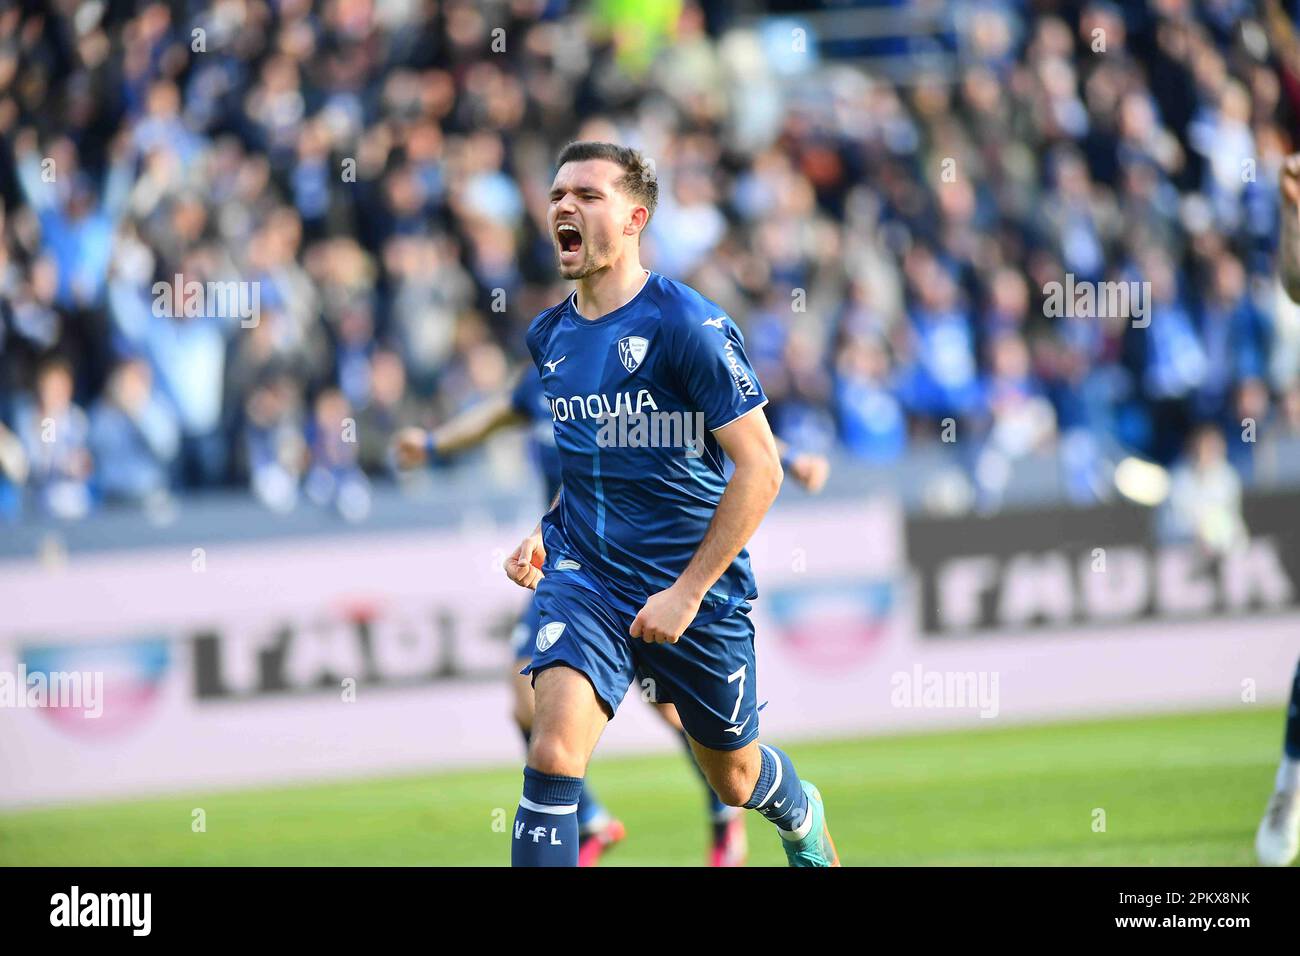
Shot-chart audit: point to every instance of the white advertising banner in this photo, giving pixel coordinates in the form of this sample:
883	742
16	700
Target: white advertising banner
143	672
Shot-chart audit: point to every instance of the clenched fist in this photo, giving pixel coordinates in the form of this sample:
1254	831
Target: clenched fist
665	617
524	566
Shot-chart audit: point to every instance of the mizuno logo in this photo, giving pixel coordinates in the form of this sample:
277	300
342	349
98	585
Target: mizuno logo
737	728
715	321
568	564
550	366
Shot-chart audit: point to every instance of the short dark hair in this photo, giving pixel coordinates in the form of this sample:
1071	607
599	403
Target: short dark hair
639	179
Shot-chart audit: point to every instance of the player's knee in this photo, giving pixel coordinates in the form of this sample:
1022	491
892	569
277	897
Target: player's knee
548	753
733	785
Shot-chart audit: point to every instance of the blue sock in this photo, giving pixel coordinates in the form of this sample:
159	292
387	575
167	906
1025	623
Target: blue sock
778	795
719	812
590	810
546	824
1291	746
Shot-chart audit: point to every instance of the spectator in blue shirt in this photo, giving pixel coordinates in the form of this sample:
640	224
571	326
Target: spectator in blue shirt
872	424
54	433
134	436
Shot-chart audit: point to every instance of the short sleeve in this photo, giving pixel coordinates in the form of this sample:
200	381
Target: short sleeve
715	372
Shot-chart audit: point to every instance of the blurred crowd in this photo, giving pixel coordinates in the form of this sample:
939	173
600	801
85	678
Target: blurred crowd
379	169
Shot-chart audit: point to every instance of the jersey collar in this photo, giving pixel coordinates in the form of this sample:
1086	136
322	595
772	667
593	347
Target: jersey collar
572	304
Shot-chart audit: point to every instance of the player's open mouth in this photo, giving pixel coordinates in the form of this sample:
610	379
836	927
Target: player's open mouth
569	239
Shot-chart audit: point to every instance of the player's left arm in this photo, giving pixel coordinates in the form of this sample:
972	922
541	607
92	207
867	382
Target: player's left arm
754	484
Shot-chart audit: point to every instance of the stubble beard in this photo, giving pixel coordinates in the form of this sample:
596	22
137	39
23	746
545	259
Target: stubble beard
595	257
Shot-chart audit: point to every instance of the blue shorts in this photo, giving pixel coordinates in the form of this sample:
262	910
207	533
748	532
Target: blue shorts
708	674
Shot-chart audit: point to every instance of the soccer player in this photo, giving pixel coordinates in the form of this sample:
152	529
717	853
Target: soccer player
643	570
1277	841
525	405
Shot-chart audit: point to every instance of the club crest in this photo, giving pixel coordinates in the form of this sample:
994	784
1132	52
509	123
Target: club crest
548	634
631	350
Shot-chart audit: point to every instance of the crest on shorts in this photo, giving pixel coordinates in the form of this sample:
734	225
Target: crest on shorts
548	634
631	350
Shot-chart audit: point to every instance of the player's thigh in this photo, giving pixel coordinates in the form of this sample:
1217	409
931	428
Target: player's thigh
521	694
568	720
709	674
581	668
521	646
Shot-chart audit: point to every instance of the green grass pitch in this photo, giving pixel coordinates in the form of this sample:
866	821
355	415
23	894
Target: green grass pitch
1182	789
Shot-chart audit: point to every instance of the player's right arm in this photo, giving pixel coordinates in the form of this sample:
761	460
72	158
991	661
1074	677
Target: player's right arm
1288	251
415	446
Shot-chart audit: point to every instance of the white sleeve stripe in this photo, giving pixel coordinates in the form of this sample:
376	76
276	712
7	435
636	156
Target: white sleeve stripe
741	415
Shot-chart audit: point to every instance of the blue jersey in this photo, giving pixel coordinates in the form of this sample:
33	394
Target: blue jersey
529	400
635	505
